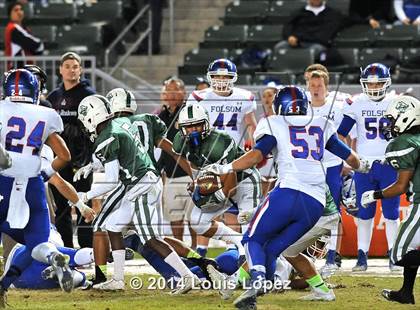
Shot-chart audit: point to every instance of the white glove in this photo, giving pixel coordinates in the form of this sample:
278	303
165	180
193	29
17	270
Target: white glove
364	166
88	213
367	198
217	169
83	197
244	217
84	171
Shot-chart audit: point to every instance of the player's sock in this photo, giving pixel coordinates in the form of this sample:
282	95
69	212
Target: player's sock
119	261
229	235
332	245
243	275
202	250
318	283
409	279
175	262
100	273
364	234
391	230
43	251
193	254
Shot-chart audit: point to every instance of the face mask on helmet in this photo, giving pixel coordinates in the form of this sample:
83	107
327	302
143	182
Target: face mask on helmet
318	250
348	195
92	111
122	100
20	85
375	80
194	124
222	75
290	100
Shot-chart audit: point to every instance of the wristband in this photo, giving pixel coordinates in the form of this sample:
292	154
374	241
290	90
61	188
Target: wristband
378	194
220	196
49	171
80	205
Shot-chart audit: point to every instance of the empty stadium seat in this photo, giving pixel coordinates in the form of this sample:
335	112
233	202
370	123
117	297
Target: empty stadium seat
196	61
291	60
347	61
411	60
101	11
278	78
240	12
226	36
55	13
280	11
79	38
397	36
355	36
388	56
46	33
264	35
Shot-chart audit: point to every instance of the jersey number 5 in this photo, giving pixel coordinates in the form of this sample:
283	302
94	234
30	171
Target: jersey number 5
303	150
18	132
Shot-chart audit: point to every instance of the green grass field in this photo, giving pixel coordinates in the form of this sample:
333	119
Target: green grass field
354	293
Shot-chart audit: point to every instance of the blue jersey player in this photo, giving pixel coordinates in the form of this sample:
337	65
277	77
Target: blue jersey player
25	127
292	208
366	112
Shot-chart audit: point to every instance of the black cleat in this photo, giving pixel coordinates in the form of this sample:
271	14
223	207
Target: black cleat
397	296
247	300
203	262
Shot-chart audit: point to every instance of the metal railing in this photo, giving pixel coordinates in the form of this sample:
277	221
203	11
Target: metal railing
119	38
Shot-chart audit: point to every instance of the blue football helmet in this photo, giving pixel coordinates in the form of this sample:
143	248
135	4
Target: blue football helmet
222	67
291	100
375	73
20	85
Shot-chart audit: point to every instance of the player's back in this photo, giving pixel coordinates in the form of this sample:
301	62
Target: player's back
25	127
226	113
300	148
151	128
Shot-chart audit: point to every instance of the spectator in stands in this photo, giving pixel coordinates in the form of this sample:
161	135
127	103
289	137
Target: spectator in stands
65	100
18	39
407	11
371	12
313	26
202	83
176	198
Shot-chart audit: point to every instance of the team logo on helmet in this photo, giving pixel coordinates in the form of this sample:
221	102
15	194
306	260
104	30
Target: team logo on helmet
402	106
83	110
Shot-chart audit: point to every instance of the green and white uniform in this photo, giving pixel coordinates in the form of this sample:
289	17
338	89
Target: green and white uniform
403	153
138	192
326	223
151	128
220	148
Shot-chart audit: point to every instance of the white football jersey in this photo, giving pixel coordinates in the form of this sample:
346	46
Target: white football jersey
300	148
24	129
368	114
226	113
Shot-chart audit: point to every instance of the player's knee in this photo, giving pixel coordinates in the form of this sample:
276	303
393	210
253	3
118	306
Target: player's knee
42	251
200	227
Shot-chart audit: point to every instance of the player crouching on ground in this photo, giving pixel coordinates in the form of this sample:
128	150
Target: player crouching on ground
403	153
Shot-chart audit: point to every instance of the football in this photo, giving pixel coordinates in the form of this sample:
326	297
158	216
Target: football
209	183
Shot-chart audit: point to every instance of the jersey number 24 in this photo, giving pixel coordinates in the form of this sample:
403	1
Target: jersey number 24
18	132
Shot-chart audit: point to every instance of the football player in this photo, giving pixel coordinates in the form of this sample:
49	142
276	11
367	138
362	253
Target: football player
202	145
298	142
24	216
231	109
366	111
403	153
135	185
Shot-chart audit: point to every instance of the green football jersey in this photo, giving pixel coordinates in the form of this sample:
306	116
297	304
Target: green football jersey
330	207
120	140
151	128
216	148
403	153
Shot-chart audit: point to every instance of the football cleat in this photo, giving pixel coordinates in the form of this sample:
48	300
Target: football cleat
186	284
3	297
361	264
48	273
203	262
398	297
60	264
110	285
247	300
319	295
224	283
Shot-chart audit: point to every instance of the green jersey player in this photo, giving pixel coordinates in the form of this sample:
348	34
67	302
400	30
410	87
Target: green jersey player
203	146
403	153
136	188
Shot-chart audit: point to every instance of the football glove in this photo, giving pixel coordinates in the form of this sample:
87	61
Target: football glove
217	169
364	166
367	198
83	172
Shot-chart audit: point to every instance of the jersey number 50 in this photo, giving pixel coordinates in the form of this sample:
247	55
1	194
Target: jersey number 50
34	139
303	150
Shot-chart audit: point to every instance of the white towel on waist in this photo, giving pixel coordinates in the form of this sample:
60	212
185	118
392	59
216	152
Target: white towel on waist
18	213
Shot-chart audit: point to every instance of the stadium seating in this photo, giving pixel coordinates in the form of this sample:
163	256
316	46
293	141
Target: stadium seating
197	60
388	56
264	36
398	36
54	13
79	38
356	36
100	11
280	11
291	60
239	12
229	36
47	33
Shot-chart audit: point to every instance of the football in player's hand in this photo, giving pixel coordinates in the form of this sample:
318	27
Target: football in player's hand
208	183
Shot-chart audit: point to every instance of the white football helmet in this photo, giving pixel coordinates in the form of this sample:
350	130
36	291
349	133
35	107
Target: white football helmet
92	111
122	100
404	114
348	195
318	250
194	114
